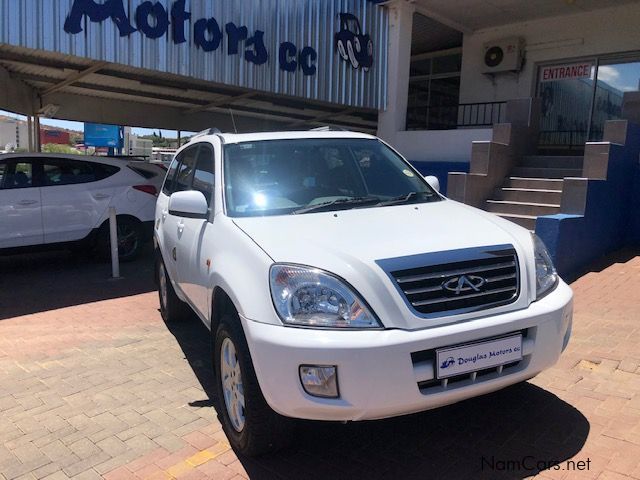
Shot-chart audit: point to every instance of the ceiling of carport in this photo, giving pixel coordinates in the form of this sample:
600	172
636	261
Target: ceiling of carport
54	76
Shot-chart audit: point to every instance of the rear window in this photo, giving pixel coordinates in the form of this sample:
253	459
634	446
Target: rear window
143	172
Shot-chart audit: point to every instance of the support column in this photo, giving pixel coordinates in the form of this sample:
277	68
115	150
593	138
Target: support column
394	118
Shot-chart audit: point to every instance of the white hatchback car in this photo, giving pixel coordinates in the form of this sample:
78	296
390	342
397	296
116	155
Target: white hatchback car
338	284
64	200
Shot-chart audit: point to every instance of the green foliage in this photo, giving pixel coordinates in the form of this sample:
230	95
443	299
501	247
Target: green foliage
55	148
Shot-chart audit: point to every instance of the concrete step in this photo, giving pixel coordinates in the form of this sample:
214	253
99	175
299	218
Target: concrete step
535	183
522	208
533	172
529	195
526	221
552	161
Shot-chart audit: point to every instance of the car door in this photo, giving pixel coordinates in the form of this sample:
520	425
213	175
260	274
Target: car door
75	197
193	267
20	204
172	225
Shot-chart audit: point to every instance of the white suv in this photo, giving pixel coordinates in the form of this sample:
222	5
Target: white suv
338	284
52	199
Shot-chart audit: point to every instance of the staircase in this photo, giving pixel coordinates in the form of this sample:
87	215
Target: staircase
533	188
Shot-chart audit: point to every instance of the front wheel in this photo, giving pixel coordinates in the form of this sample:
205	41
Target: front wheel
251	426
172	308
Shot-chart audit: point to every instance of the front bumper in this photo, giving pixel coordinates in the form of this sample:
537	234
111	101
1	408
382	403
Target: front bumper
376	373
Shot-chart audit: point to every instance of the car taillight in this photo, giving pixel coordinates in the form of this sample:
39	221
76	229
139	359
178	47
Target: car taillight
150	189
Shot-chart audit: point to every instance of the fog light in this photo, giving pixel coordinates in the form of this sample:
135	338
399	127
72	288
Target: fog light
320	380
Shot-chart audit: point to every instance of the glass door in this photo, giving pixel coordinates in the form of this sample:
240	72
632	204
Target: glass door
566	94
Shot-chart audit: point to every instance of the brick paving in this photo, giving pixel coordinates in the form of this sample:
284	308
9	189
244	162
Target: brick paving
93	384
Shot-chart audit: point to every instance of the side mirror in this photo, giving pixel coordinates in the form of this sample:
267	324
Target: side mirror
189	204
433	182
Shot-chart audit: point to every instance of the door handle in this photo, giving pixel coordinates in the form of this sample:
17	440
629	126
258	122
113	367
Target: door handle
101	196
27	202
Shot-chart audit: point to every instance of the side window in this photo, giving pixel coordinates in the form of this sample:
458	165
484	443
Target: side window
185	170
203	176
18	174
3	169
167	187
60	171
104	171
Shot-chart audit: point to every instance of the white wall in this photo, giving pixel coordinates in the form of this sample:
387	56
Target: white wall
8	135
611	30
438	145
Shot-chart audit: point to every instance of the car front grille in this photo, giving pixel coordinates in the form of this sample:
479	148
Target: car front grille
476	279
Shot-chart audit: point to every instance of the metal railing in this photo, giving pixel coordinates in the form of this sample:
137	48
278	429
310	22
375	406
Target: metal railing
562	139
449	117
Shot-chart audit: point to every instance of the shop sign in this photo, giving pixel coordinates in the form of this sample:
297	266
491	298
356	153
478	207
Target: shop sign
568	71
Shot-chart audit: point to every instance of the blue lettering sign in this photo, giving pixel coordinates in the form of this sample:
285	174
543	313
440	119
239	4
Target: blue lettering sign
258	54
179	15
286	57
207	34
234	36
98	12
157	11
152	20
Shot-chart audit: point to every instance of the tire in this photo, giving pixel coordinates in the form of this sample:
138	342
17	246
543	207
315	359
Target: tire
172	309
258	429
130	240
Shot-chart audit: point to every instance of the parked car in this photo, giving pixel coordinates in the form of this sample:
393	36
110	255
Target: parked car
338	284
354	46
63	200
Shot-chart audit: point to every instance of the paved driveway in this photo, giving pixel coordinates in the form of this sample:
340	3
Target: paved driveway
93	383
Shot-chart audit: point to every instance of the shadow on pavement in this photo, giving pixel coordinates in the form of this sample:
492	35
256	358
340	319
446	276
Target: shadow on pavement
36	282
523	423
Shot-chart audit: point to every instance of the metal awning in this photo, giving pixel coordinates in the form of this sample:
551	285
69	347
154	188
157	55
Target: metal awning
86	90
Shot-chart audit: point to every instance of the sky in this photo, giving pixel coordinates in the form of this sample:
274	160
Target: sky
79	126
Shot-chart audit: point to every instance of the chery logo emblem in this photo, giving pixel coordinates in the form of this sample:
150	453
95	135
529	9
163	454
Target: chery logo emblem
464	283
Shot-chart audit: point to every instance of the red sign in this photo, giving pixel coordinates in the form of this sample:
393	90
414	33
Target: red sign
566	72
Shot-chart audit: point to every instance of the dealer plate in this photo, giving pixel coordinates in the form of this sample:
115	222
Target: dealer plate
461	359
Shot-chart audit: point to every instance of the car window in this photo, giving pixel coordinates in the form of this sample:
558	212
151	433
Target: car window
187	166
167	186
104	171
180	171
3	169
277	177
18	174
203	176
60	171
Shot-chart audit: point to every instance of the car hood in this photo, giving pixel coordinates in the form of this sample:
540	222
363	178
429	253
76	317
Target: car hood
370	234
349	243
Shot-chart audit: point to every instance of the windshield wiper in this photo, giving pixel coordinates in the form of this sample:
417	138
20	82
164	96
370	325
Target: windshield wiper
403	199
342	202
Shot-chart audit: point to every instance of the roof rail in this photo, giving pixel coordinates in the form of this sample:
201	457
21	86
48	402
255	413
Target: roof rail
328	128
208	131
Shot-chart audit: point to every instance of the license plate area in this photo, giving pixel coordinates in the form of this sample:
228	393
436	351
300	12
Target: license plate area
476	356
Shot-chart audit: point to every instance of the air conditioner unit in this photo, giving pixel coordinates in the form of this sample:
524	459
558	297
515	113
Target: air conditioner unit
504	55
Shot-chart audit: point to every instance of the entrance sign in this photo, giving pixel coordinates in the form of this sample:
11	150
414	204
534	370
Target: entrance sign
566	72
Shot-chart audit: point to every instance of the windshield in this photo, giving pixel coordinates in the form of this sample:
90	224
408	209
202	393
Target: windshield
296	176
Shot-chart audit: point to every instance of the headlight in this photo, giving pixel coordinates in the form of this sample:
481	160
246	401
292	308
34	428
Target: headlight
546	276
311	297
